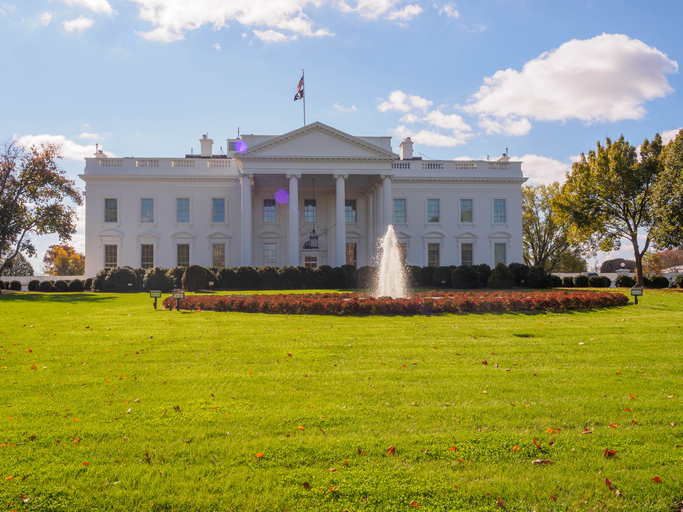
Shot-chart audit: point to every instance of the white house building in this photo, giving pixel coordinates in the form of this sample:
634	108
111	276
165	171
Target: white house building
314	196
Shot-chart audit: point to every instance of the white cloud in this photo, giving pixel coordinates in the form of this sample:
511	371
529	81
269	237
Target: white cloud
244	34
70	149
670	135
405	14
604	79
430	138
449	9
272	36
217	46
342	108
45	18
96	6
173	18
403	102
409	118
79	24
450	122
541	169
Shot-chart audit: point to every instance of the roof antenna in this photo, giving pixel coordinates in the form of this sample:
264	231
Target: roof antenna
238	132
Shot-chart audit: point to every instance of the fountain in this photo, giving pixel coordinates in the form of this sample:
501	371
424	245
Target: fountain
391	280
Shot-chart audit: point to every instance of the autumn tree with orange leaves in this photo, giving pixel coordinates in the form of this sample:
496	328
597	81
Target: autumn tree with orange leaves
63	260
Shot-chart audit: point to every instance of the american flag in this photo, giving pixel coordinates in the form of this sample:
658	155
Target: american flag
299	89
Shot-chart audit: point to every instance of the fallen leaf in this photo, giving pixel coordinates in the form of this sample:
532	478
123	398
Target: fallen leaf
609	453
553	498
484	362
627	410
516	448
414	504
550	431
332	489
391	450
500	503
634	422
300	427
86	463
631	397
306	485
453	449
657	480
608	483
537	444
259	455
613	425
542	461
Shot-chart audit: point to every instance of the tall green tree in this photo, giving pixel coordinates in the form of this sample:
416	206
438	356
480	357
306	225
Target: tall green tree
667	203
545	235
20	266
608	196
33	199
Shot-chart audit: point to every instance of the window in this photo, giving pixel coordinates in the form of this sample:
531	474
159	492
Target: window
111	256
146	210
351	254
433	255
147	256
499	254
269	214
183	255
111	210
499	210
218	258
309	210
465	210
270	255
182	210
350	208
218	210
311	261
399	211
432	210
466	254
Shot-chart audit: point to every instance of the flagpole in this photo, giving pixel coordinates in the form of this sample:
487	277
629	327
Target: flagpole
302	76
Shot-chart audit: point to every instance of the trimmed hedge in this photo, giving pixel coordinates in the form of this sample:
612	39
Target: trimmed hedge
465	278
60	286
33	285
625	282
424	303
157	278
45	286
678	281
195	278
596	282
581	281
76	285
659	282
568	282
15	286
501	277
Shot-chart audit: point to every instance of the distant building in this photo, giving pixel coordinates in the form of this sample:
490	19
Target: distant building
314	196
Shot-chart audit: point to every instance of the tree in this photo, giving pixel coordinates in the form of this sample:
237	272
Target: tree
667	203
652	263
63	260
546	243
610	266
19	267
33	190
608	196
571	261
671	258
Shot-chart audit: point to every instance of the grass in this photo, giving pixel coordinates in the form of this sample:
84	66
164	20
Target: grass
323	398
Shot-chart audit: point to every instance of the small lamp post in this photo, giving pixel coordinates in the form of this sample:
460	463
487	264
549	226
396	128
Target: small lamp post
155	294
636	291
178	295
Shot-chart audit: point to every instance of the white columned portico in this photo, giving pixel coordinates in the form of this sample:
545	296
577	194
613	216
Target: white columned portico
387	203
293	231
370	220
340	220
246	231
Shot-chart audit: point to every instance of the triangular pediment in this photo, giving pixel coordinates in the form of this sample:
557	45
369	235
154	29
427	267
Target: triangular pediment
317	140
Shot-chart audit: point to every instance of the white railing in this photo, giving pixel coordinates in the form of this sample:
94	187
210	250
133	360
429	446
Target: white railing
182	163
110	162
499	166
147	162
465	165
218	163
432	165
401	165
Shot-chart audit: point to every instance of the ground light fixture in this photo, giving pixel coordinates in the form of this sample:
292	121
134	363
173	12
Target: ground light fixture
636	291
155	294
178	295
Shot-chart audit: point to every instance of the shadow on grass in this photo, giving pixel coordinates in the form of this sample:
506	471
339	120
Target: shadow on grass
55	297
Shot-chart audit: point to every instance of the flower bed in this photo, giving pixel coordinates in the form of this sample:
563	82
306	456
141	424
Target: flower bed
420	304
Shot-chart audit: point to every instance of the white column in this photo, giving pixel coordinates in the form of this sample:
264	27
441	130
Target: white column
370	219
293	238
387	203
246	232
340	220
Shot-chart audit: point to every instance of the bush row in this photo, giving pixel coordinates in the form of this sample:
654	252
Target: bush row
347	303
620	282
74	285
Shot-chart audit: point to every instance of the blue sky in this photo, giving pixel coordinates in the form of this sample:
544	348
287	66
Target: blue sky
465	79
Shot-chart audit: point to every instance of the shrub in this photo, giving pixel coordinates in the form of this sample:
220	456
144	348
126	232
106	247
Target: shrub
33	285
596	282
45	286
211	277
157	278
537	277
87	284
270	279
247	278
427	276
100	279
15	285
291	278
345	276
581	281
655	282
647	282
60	286
678	281
194	278
568	282
76	285
313	278
556	281
226	277
139	276
177	274
519	273
2	285
326	276
443	277
118	278
625	282
465	277
414	276
367	277
501	277
484	273
608	281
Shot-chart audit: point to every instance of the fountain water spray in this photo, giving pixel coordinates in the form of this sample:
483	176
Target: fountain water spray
392	280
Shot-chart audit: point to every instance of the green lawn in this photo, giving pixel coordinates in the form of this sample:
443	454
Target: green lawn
108	404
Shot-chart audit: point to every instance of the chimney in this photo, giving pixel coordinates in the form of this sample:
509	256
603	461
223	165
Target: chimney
98	152
207	146
406	149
